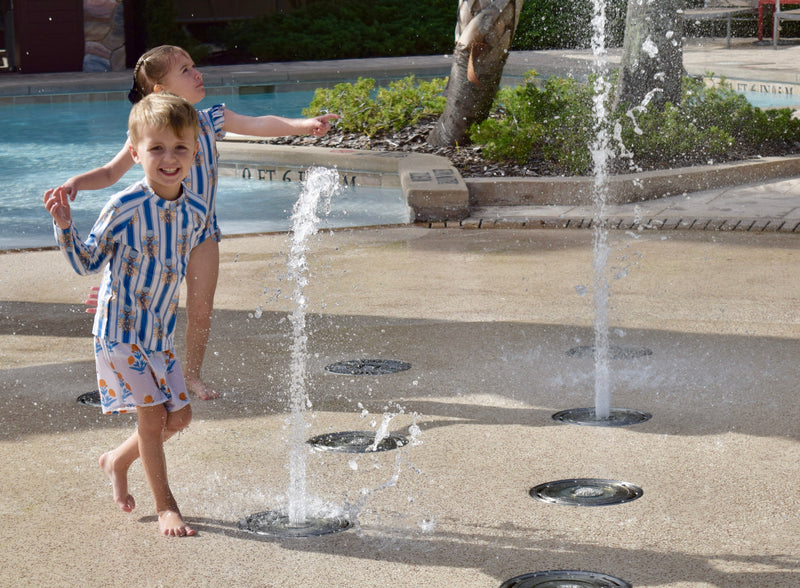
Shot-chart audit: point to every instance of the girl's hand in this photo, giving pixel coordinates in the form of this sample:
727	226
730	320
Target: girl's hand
70	189
56	202
320	125
91	301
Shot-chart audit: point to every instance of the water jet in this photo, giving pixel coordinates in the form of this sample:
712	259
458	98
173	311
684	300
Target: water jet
90	398
357	442
368	367
617	417
319	187
586	492
566	579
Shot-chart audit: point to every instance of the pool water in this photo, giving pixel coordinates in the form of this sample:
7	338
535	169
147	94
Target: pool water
771	100
42	145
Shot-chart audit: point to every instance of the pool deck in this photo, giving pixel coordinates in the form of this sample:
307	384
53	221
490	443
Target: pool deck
488	320
755	196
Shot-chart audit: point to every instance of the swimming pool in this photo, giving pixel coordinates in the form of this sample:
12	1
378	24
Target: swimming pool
41	145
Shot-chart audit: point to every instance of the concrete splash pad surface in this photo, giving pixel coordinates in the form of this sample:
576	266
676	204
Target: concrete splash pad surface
485	318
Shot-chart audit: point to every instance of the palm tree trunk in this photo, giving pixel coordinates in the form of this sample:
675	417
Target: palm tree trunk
484	33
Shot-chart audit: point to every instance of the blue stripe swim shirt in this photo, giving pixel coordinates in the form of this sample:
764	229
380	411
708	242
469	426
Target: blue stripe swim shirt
203	177
143	242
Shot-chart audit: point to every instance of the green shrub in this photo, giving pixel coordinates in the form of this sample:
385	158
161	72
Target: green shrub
670	136
346	29
555	123
369	111
551	24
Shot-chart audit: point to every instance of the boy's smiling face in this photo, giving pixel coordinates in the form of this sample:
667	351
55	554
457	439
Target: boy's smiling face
166	158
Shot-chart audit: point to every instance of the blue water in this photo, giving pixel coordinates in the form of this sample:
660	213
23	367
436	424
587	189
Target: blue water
770	100
42	145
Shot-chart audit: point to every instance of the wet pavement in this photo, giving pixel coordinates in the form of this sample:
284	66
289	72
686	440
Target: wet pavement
488	321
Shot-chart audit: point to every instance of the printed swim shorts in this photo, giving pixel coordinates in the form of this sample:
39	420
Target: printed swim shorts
129	377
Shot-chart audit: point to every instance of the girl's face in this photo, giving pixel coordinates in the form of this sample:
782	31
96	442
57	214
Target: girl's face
183	80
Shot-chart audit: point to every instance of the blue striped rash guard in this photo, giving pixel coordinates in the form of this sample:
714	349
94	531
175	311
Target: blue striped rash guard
203	177
144	243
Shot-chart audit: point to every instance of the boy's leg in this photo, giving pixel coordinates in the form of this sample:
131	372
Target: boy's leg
115	463
152	430
201	284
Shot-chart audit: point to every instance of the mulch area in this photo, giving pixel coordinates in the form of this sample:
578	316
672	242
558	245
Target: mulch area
470	162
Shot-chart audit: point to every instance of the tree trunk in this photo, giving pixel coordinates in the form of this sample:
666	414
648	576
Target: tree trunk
652	55
484	33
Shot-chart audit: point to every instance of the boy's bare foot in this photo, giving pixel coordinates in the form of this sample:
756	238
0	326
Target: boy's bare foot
197	387
171	524
119	482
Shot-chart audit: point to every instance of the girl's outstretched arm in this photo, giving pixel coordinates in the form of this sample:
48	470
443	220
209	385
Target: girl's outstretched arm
100	177
277	126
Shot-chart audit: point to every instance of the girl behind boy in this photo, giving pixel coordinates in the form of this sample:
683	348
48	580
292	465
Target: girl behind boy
143	238
170	68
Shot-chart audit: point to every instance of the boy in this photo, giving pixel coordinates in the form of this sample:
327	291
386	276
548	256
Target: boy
143	237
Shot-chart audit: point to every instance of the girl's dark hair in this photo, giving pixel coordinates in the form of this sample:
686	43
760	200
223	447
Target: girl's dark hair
151	68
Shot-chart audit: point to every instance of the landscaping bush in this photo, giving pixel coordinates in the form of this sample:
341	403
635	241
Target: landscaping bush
369	111
549	24
347	29
554	122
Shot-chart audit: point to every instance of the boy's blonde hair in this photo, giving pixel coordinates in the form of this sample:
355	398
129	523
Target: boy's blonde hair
152	67
162	111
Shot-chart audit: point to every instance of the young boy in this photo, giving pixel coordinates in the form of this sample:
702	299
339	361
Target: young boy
143	237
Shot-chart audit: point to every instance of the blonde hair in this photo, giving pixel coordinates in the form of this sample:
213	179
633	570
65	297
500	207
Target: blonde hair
152	67
162	111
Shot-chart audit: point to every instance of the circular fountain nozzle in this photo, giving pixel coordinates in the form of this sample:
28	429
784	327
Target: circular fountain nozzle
614	351
357	442
368	367
277	524
565	578
90	398
586	492
618	417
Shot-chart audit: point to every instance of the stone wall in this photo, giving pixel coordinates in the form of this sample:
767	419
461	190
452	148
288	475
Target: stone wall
104	35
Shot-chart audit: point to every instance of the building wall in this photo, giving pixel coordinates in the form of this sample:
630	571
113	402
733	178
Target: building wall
48	35
104	35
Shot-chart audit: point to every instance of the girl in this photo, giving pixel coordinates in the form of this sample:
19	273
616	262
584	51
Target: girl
171	69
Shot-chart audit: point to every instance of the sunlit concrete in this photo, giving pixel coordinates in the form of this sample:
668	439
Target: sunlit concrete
485	318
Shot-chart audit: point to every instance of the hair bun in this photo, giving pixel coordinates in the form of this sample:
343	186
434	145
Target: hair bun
135	95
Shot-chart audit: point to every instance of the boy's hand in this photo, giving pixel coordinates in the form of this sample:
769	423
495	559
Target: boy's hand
320	125
56	202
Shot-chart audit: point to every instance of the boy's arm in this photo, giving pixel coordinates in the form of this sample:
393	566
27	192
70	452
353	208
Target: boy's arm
100	177
277	126
57	205
85	258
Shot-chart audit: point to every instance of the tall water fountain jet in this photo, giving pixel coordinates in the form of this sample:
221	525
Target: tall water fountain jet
601	153
320	184
319	187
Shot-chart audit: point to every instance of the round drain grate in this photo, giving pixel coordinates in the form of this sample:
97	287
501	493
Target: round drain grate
368	367
618	417
586	492
356	442
90	398
276	524
614	352
565	579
